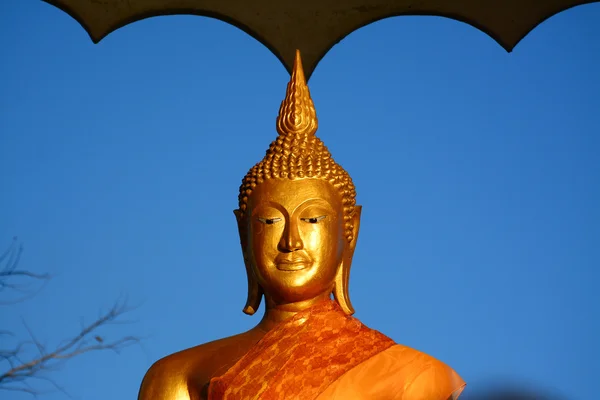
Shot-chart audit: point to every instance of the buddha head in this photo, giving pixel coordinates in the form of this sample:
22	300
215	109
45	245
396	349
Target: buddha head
298	219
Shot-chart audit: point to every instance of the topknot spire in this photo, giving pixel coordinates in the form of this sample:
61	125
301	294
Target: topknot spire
297	115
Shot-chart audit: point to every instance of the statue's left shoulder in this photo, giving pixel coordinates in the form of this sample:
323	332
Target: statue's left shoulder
433	380
399	372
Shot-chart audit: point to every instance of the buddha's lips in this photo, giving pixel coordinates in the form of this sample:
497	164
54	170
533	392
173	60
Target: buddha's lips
292	264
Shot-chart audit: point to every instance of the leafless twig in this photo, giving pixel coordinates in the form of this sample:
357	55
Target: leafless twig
25	364
87	339
18	280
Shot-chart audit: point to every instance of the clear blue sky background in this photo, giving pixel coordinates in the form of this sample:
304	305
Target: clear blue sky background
478	171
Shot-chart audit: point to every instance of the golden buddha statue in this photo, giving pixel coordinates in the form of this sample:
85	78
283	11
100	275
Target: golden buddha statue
298	223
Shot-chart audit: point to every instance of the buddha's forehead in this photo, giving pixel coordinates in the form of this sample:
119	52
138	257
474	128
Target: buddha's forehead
291	193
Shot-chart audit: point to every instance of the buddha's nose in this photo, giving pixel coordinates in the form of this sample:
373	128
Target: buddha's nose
290	240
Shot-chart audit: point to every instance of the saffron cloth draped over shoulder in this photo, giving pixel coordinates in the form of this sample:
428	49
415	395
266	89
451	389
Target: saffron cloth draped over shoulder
322	353
301	357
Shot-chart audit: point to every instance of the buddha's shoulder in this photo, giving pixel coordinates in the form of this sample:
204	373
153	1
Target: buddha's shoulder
399	372
176	375
426	376
412	362
402	354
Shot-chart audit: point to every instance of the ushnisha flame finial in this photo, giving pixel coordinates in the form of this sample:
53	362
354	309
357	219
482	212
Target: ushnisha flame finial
297	115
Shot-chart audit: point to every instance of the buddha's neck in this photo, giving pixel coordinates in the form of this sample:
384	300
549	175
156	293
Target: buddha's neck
276	313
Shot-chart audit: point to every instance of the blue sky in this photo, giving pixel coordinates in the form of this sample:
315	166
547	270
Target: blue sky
477	170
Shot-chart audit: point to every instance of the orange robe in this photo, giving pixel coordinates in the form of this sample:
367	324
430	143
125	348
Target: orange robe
322	354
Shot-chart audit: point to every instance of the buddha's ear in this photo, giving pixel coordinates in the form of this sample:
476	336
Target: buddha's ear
242	229
255	294
355	228
341	290
254	290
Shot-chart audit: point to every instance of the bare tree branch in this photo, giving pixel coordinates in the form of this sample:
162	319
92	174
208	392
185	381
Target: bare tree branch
15	280
27	362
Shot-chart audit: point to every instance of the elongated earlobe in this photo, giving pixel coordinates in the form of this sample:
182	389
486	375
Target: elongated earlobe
341	291
255	292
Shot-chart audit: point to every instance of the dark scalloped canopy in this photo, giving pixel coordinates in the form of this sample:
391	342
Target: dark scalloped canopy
315	26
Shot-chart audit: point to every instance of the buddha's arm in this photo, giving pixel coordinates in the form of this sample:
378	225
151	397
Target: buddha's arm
165	382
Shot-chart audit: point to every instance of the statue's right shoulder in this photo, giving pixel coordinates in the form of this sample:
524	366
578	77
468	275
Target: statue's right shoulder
169	378
185	375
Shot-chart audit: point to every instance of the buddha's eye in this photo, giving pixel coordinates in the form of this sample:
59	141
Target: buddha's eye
269	221
313	220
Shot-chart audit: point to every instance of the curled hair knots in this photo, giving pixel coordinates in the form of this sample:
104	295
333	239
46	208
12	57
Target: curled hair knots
297	153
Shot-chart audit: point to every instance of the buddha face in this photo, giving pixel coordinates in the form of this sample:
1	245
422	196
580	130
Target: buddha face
293	237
